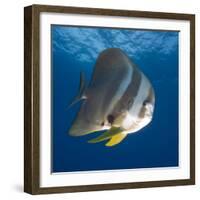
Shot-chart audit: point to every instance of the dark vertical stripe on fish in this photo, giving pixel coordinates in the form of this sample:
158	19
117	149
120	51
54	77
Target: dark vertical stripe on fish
131	92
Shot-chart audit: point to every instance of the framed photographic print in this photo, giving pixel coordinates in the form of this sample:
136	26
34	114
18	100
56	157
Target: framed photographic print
109	99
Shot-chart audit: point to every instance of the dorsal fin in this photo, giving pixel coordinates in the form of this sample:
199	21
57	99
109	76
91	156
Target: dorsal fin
80	95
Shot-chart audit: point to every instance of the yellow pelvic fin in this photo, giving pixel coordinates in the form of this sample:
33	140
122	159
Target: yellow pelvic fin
106	135
116	139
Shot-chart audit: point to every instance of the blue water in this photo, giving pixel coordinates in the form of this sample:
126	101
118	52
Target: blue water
75	49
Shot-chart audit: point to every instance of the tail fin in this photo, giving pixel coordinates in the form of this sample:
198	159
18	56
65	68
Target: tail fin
80	95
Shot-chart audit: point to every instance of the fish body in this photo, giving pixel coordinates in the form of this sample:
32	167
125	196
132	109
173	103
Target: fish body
119	99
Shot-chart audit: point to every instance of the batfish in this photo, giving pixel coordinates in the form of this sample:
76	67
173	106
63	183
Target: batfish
119	99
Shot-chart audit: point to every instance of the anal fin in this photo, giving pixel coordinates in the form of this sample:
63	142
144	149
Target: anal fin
116	139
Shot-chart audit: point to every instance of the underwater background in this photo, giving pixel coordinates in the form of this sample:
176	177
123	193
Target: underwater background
75	50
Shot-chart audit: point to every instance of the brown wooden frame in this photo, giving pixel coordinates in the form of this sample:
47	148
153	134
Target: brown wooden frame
32	105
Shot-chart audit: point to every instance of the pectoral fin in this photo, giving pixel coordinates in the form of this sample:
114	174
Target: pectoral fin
116	139
106	135
82	88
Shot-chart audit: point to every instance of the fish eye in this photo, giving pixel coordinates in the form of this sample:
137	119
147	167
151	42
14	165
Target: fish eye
110	119
145	102
102	123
